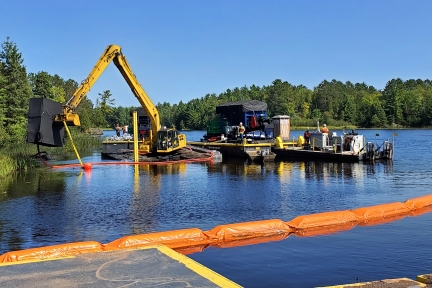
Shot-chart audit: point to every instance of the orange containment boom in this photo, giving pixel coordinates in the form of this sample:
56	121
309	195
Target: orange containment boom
246	230
323	219
194	240
419	202
50	252
381	211
172	239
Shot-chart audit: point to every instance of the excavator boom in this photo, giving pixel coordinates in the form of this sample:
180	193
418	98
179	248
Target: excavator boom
107	56
113	53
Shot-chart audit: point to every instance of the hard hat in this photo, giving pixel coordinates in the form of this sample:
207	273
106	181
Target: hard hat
241	123
324	125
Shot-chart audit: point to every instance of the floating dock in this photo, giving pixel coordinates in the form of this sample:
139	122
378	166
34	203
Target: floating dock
254	152
299	153
153	266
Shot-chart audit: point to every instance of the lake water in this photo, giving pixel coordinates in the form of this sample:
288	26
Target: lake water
48	206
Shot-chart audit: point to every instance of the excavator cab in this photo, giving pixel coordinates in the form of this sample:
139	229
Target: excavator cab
168	140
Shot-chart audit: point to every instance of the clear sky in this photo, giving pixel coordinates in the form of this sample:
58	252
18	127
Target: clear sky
181	50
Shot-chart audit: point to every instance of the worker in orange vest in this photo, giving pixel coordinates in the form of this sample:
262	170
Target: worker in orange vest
241	130
324	129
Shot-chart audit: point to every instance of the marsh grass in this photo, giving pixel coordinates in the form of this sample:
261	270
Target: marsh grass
83	142
21	156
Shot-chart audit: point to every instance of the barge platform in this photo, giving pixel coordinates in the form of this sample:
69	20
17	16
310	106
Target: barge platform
123	151
253	152
299	153
153	266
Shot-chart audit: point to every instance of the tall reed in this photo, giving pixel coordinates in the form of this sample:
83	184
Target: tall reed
21	156
16	157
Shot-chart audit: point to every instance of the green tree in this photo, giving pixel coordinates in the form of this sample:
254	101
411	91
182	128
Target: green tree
349	110
256	93
2	99
121	115
371	110
329	97
45	85
70	86
41	84
57	94
278	100
180	115
85	120
98	118
17	90
427	107
392	95
106	103
165	114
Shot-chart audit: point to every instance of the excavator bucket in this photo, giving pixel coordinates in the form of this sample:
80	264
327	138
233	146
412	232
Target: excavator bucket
41	126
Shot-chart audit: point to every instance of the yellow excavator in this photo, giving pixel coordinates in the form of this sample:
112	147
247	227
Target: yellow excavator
158	140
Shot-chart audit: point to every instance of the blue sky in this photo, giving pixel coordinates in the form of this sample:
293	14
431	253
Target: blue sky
181	50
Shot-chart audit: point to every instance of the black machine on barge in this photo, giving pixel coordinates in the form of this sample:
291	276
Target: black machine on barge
252	113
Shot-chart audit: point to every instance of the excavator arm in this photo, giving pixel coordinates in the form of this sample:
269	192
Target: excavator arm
107	56
112	53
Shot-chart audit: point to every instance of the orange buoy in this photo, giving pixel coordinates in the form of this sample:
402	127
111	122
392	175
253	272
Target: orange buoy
87	166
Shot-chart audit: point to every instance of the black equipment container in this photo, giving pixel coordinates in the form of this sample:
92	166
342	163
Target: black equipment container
41	128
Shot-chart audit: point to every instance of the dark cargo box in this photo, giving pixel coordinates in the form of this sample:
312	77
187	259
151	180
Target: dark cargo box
41	128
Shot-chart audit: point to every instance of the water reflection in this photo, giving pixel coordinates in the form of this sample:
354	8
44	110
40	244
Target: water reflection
320	171
25	204
148	183
323	171
37	183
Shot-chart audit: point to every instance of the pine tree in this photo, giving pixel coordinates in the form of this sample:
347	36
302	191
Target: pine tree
17	90
2	99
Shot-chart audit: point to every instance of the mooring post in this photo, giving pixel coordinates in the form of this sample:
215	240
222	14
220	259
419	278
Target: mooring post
135	134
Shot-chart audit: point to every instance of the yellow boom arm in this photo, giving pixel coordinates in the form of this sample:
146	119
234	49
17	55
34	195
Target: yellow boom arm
111	53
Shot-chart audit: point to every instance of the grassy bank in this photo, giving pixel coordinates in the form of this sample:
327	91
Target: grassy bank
20	156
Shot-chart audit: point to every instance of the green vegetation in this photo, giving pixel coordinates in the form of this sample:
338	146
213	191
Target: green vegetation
21	156
400	104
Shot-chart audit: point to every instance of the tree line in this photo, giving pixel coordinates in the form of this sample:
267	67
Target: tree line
400	104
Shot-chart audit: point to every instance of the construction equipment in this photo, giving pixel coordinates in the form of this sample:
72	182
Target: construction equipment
158	140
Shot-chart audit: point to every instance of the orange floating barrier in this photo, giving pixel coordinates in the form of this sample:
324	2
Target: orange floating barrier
420	211
188	241
51	252
322	219
380	221
419	202
381	211
172	239
191	250
245	230
250	241
326	230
